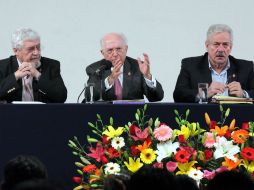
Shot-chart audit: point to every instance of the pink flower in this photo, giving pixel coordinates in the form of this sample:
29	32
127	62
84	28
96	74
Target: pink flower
171	166
163	133
138	134
209	140
208	175
158	165
221	169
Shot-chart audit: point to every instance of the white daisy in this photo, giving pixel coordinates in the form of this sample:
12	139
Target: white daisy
195	174
112	168
118	142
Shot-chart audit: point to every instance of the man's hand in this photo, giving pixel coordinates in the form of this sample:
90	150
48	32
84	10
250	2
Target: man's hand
235	89
115	72
216	88
27	69
144	66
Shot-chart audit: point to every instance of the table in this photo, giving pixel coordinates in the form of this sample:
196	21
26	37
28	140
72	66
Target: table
43	130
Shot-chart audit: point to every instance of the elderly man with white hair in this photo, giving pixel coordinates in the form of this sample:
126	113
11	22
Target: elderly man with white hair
123	78
27	76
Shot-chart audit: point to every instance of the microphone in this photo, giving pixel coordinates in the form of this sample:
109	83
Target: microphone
91	71
103	67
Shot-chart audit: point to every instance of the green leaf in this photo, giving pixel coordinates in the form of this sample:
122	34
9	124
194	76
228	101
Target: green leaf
91	125
137	116
79	172
111	121
227	112
221	108
145	107
150	122
84	160
176	112
187	113
72	143
157	122
98	116
78	164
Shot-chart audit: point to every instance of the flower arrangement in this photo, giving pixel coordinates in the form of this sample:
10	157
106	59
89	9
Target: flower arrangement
183	149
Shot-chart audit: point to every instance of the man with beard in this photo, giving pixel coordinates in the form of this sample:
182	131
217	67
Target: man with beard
225	74
27	76
123	78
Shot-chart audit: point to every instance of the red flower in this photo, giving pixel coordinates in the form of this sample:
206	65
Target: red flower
208	154
104	159
248	153
113	153
158	165
181	138
138	134
77	179
89	168
227	134
212	124
97	153
182	156
245	126
134	151
104	139
132	129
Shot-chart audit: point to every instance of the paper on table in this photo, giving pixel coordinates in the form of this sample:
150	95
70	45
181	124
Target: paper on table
231	100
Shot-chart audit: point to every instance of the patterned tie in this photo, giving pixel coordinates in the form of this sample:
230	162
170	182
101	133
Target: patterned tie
118	89
27	93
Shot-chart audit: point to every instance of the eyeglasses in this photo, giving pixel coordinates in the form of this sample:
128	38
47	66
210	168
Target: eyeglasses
110	51
33	48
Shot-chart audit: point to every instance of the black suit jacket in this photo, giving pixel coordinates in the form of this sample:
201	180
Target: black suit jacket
196	69
49	88
134	85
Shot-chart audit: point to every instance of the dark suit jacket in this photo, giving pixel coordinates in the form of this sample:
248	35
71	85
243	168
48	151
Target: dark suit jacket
196	69
134	85
49	88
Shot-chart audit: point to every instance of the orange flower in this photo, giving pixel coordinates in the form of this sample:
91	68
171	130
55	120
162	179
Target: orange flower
89	168
96	176
240	136
232	125
220	131
144	146
230	164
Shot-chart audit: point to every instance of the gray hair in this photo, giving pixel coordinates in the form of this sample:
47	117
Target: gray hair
21	35
218	28
121	35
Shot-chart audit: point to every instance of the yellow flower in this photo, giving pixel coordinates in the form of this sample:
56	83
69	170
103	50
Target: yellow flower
111	132
133	165
185	131
248	165
207	119
148	156
185	167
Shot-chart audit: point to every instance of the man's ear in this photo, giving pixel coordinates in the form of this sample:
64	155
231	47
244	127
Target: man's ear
15	50
206	45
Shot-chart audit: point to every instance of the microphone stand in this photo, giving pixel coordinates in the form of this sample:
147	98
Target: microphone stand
100	77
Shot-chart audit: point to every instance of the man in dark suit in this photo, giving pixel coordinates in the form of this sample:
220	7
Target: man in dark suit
27	76
225	74
119	77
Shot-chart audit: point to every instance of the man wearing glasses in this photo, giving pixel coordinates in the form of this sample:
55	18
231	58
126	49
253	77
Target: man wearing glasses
225	74
27	76
123	78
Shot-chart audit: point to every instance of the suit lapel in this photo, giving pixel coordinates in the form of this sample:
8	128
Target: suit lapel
127	76
205	74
